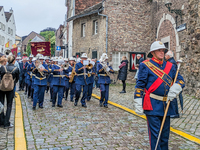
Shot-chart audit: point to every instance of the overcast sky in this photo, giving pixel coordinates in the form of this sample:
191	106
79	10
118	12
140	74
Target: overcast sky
35	15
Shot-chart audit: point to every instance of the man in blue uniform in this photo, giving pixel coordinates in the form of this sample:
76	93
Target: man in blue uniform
103	69
40	82
90	80
28	77
155	79
59	77
72	84
22	74
67	85
81	80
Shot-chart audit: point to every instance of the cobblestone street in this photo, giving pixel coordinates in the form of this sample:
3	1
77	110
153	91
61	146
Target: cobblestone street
93	127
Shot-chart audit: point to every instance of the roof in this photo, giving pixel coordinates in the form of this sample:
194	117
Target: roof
37	39
89	11
1	7
7	14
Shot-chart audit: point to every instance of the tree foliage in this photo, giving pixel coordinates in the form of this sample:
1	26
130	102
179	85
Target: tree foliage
50	36
28	48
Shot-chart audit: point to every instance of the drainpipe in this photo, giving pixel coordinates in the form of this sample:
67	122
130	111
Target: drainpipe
106	30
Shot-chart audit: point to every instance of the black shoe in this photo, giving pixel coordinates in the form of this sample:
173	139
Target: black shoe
66	99
10	126
75	104
88	100
41	107
15	96
106	106
31	99
101	105
53	105
61	106
84	106
51	100
25	93
122	91
34	108
19	90
72	100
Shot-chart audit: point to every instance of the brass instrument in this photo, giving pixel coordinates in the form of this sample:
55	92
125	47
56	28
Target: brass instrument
105	69
90	66
72	74
65	66
39	65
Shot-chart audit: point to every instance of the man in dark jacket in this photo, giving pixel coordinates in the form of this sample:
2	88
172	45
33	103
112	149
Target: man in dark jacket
123	72
140	58
169	56
22	74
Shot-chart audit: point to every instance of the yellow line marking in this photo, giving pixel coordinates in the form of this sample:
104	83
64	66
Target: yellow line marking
178	132
20	141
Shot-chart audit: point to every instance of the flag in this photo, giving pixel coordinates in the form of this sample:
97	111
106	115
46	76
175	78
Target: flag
43	48
7	44
14	51
14	46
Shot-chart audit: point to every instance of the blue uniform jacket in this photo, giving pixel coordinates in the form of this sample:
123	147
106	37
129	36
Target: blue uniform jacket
50	77
103	79
22	71
39	79
80	78
58	78
146	78
91	78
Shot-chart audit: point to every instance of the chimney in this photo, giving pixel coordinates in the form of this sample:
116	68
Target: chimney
11	11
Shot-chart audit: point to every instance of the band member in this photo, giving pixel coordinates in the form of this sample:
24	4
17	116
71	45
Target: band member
26	66
22	75
28	77
30	69
66	89
40	82
72	78
90	79
50	78
155	79
59	76
81	80
103	69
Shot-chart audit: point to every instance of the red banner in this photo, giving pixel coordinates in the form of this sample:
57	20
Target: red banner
14	51
43	48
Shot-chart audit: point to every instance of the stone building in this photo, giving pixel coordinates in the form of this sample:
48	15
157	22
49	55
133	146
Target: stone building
26	39
7	29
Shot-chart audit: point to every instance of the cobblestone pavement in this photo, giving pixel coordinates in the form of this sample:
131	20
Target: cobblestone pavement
92	128
189	122
7	135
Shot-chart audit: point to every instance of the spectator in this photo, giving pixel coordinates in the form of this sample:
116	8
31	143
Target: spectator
139	58
4	119
22	75
136	74
123	72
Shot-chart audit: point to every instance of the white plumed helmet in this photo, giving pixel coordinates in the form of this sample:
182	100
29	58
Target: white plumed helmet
84	55
156	46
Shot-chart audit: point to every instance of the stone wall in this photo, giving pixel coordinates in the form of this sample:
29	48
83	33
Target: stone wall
90	42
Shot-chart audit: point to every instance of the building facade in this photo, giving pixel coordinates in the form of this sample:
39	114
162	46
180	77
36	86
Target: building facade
7	29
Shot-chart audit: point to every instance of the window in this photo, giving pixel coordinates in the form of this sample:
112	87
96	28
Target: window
11	32
3	40
117	58
8	30
95	27
94	54
83	30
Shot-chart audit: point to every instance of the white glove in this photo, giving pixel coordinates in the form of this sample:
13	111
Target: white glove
174	91
138	106
107	69
1	107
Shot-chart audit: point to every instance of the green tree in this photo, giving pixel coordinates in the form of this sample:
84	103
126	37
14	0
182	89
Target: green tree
50	36
28	48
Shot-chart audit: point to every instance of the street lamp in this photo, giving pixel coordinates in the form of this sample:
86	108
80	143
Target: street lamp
178	12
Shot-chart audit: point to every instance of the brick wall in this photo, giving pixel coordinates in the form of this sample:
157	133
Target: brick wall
90	42
81	5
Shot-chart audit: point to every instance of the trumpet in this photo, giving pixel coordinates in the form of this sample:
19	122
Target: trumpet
65	66
105	69
89	66
39	65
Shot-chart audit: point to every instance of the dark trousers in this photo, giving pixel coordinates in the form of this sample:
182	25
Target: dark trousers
78	93
72	90
4	119
22	83
38	95
90	88
58	90
154	124
66	89
104	93
124	85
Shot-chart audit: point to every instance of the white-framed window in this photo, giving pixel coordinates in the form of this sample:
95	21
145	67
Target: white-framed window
95	27
117	58
83	30
8	30
2	40
11	31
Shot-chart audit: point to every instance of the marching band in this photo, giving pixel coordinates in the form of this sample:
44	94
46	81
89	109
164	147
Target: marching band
61	75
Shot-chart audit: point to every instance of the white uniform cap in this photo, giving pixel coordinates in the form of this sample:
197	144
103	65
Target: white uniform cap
84	55
71	58
31	56
65	59
41	57
156	46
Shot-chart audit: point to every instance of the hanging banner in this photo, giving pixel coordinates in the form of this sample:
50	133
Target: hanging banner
14	51
134	61
43	48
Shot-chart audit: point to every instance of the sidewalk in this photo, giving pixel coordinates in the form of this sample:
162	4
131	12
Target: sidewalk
189	122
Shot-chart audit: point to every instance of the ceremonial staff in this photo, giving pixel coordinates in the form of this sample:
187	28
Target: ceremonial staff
165	114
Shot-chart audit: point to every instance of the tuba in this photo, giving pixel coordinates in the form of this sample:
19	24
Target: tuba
105	66
39	65
65	66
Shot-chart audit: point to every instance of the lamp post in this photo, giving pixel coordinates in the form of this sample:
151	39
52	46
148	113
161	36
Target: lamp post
178	12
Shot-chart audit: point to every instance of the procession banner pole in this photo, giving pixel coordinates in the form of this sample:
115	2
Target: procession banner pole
165	114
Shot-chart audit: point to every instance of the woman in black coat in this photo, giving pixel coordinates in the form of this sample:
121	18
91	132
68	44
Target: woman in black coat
123	72
5	119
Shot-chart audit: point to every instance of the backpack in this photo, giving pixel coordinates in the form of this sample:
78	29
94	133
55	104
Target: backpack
7	82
